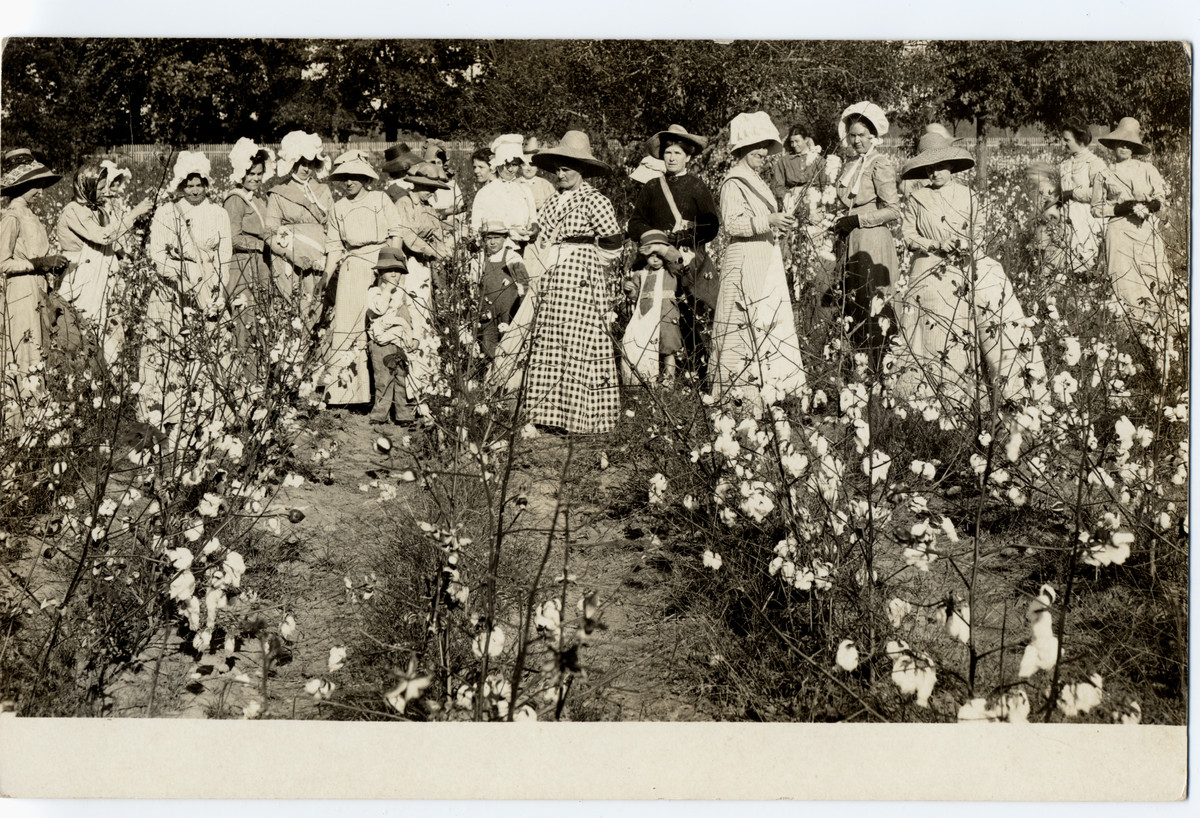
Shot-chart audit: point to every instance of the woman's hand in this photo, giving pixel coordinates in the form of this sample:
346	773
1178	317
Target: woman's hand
781	221
142	208
845	224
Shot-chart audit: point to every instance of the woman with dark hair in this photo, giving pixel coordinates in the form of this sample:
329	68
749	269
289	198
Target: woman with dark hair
1130	195
1077	173
88	236
571	379
866	248
797	166
25	261
755	346
249	286
679	204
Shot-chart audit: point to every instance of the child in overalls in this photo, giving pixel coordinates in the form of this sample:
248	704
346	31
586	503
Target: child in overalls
391	338
502	283
652	337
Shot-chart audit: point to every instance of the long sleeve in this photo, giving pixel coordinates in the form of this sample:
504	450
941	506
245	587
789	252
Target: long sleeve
335	248
887	197
10	261
78	224
642	217
516	267
739	216
272	216
708	218
1100	206
224	236
913	239
244	225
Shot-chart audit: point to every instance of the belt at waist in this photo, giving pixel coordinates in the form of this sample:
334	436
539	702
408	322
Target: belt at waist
760	237
578	240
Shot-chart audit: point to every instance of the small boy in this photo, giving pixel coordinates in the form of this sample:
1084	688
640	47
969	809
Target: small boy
391	336
654	281
502	283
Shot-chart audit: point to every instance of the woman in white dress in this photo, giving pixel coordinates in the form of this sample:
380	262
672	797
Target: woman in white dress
754	331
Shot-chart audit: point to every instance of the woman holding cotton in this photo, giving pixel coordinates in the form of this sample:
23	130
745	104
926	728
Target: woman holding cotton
90	238
1077	175
866	249
754	331
297	213
963	334
361	224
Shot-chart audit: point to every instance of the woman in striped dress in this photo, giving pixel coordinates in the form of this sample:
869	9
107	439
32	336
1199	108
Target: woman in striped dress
754	329
571	380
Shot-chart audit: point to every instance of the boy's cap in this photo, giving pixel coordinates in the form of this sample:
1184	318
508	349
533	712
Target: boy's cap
391	259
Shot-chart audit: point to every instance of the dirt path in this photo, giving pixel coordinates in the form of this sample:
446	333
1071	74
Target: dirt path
318	570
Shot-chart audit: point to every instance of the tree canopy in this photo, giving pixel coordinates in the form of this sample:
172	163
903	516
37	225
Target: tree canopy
69	97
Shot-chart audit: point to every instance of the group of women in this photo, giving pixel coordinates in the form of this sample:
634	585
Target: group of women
956	321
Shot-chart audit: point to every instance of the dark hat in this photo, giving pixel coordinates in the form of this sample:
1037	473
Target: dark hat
426	175
391	259
398	159
25	177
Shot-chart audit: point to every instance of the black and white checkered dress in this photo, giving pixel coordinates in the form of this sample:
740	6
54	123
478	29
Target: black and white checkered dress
572	377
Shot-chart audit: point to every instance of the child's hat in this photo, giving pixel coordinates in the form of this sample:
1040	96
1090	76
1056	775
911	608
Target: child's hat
391	259
492	228
656	241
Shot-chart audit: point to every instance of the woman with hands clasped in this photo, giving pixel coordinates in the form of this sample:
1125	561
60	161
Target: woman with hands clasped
1130	195
866	248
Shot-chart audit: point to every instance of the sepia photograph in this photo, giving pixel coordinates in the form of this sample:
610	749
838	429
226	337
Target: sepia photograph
820	385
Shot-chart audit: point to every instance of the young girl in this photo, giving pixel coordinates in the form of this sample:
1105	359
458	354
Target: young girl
652	337
391	338
502	283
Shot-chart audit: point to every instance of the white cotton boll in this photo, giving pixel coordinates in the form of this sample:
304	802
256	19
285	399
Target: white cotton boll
1071	350
183	586
958	623
847	655
897	610
1013	708
711	560
181	558
337	659
975	710
1082	697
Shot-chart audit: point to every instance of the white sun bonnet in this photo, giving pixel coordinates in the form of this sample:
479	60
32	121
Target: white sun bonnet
241	158
110	173
299	145
188	163
506	148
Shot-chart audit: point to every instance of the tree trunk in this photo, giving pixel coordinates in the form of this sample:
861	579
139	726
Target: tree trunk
981	153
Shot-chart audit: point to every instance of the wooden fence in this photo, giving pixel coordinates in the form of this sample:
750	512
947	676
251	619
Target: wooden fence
143	152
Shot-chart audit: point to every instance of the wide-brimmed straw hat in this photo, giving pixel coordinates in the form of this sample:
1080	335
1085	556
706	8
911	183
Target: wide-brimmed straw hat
656	241
297	145
747	130
353	163
573	151
1128	133
391	259
241	159
25	177
190	163
649	169
936	149
691	143
426	175
868	111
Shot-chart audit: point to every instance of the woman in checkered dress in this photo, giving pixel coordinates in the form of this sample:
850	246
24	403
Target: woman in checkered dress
571	382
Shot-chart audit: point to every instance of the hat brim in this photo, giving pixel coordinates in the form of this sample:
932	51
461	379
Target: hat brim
552	158
427	183
359	169
773	146
957	158
656	144
42	180
1112	144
